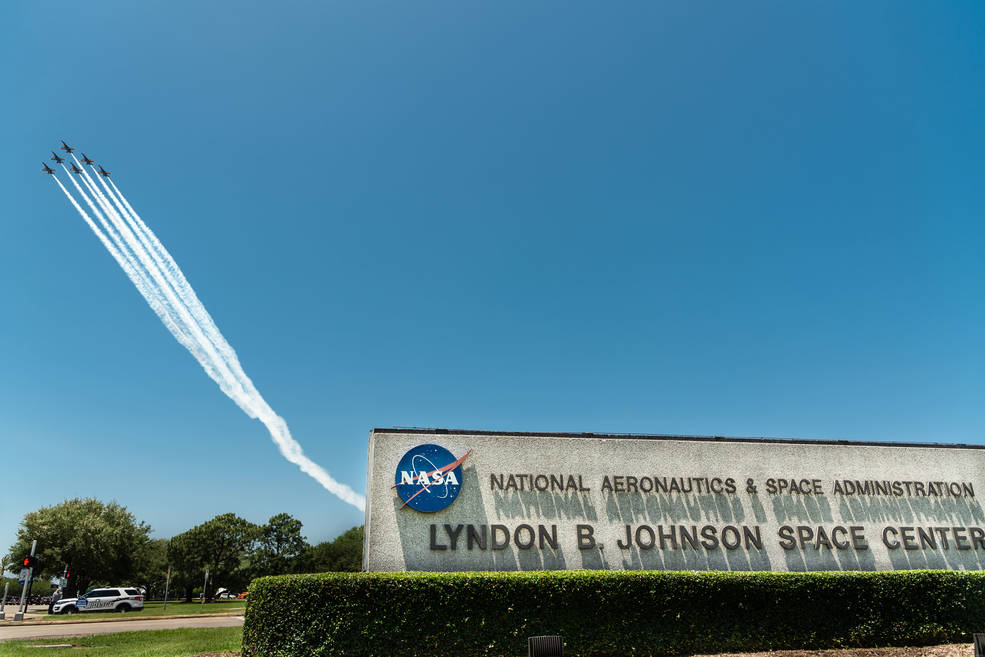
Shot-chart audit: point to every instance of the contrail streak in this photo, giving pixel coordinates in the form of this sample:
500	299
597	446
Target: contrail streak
123	260
176	278
198	345
161	282
145	285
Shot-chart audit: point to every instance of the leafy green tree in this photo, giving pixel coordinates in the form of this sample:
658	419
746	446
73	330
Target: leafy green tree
186	562
280	547
98	542
152	567
220	545
345	553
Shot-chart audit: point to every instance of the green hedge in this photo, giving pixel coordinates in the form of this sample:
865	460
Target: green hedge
604	613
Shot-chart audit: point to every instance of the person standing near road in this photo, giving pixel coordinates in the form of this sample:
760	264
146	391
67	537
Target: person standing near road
55	597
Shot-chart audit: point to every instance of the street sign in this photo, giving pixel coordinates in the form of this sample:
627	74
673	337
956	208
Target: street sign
25	573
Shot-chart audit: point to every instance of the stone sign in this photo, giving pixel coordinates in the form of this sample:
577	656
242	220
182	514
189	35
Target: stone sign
443	500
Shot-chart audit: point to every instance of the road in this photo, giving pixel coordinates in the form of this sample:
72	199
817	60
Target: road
10	633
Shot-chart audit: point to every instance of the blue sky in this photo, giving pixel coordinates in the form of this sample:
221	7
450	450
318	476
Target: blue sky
748	219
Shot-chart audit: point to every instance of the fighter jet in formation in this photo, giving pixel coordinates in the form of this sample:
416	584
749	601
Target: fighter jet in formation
75	168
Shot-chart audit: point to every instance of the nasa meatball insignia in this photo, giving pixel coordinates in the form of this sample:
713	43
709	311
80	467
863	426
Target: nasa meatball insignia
429	478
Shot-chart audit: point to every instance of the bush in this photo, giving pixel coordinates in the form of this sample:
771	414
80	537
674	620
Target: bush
605	613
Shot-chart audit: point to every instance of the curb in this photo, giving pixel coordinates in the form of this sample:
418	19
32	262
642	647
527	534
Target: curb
132	616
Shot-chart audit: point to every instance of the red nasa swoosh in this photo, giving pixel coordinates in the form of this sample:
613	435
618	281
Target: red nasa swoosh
450	466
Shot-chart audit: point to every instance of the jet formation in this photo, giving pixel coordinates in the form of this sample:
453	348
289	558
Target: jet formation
55	157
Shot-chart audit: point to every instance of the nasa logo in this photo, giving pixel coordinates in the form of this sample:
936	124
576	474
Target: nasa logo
429	478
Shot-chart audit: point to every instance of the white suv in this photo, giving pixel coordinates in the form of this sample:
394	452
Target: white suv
115	599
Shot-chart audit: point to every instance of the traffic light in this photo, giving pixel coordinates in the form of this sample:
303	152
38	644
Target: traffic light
31	562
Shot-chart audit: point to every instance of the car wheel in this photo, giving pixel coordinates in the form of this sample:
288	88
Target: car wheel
69	610
124	608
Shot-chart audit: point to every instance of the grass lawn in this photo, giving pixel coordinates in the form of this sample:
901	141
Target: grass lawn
156	608
151	643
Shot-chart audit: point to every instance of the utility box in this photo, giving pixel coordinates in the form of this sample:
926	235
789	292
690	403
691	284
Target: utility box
546	646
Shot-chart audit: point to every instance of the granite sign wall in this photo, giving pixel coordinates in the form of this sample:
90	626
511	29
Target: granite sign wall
442	500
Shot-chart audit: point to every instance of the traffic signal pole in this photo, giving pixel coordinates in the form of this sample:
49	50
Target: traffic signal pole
167	583
19	614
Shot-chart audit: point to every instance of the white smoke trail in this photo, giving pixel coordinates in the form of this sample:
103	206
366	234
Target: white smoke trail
122	259
139	278
176	278
192	326
199	346
204	351
258	408
99	216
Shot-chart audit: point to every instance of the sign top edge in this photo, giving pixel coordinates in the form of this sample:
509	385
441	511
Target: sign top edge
668	437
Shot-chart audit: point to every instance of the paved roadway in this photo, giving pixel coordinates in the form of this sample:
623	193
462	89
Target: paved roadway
12	632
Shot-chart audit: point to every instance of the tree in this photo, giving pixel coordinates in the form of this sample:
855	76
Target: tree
280	547
98	542
220	545
345	553
152	567
186	563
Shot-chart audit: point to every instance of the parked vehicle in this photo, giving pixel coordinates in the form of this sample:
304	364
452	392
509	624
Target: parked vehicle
105	599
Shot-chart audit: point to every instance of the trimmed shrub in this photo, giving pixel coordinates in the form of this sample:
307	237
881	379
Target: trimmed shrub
606	613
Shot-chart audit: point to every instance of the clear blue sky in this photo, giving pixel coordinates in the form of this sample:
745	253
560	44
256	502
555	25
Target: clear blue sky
747	219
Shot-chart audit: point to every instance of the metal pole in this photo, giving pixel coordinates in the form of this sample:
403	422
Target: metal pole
30	587
19	615
167	582
3	602
205	585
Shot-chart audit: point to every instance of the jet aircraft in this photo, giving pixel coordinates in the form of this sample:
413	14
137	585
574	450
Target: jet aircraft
46	169
76	169
55	157
86	160
65	147
104	171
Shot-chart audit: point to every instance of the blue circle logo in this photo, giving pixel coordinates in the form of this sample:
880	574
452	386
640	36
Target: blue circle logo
429	477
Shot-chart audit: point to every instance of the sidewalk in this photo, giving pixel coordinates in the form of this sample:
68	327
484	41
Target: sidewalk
13	631
38	615
33	611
